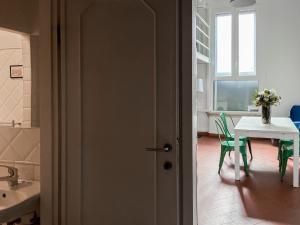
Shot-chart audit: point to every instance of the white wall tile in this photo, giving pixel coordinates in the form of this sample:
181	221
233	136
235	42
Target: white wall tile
27	101
9	133
26	114
10	154
20	144
27	74
26	124
23	145
26	61
33	135
34	155
37	172
25	45
27	87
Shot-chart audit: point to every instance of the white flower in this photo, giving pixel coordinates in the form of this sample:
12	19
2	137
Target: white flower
266	97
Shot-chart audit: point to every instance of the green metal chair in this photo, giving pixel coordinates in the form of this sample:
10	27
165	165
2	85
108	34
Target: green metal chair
283	142
285	151
228	146
230	136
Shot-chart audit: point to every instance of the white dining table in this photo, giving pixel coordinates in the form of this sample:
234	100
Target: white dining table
280	128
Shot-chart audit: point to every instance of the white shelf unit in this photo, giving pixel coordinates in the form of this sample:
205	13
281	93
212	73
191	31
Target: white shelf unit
202	40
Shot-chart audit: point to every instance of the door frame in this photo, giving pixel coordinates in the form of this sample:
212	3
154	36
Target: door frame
188	112
52	112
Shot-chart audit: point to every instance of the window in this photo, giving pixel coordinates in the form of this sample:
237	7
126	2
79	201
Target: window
234	79
247	43
234	95
223	44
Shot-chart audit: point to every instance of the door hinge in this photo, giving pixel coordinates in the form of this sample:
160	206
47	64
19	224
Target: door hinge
178	140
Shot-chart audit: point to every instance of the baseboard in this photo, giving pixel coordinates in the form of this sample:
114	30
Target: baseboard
201	134
214	135
207	134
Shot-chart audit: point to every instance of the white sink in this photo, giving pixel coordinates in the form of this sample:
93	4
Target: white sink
19	200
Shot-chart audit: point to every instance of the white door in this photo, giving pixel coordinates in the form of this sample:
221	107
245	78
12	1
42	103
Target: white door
121	77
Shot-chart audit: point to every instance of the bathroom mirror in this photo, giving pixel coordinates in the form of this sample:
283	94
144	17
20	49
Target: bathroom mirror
19	105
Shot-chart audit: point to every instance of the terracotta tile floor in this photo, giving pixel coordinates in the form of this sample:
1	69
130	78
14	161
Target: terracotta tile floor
258	199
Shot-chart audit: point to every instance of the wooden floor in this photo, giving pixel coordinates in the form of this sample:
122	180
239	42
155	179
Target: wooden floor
257	199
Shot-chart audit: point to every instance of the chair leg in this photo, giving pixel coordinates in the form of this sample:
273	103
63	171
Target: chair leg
244	156
280	160
279	150
222	156
283	166
250	149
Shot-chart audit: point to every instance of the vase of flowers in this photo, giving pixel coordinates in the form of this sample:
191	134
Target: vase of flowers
266	99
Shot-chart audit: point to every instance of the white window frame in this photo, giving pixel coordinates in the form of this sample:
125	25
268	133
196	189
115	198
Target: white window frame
235	75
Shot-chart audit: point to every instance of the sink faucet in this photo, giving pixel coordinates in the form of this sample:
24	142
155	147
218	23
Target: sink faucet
12	178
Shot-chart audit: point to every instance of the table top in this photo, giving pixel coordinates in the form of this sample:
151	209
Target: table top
278	125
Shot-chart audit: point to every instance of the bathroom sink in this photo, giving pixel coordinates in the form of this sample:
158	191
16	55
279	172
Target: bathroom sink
19	200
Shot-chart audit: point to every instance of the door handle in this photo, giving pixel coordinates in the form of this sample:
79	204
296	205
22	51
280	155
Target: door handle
166	148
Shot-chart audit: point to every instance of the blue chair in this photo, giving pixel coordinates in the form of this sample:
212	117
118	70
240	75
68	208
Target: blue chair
295	115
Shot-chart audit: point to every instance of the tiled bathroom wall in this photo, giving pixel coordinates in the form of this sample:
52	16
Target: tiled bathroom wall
20	147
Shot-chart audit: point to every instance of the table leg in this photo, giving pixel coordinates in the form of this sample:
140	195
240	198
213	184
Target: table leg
296	162
237	156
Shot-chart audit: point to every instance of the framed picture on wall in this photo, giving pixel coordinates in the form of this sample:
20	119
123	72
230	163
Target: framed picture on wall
16	71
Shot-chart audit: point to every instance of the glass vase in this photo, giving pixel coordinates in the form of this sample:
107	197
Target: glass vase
266	114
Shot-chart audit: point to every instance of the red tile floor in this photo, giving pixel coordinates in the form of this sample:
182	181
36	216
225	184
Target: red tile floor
259	198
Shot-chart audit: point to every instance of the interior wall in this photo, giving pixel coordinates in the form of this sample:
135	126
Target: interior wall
202	104
278	52
19	15
203	73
